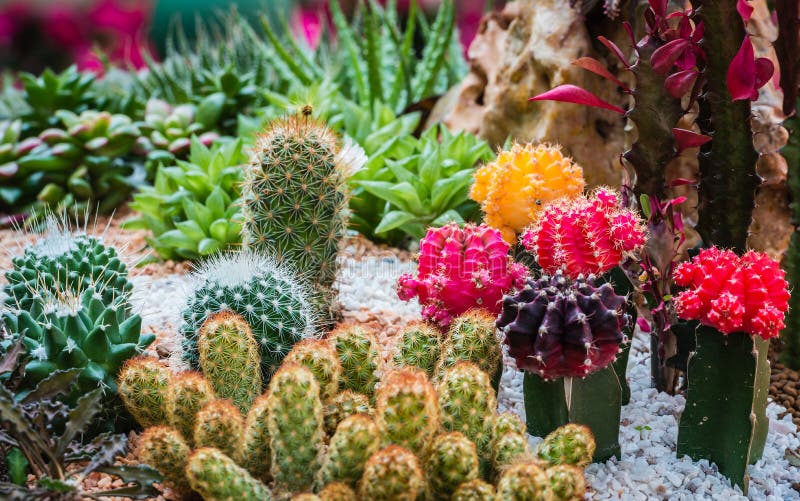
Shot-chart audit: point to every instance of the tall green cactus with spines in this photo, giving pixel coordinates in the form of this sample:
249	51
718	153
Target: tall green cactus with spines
256	455
420	345
508	449
570	444
318	356
337	491
568	482
474	490
187	393
142	385
295	423
790	336
524	482
360	356
217	477
164	449
472	337
392	474
355	440
229	358
219	424
407	412
343	405
453	460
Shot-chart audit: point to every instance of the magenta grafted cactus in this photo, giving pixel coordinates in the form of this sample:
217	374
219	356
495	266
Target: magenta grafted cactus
460	269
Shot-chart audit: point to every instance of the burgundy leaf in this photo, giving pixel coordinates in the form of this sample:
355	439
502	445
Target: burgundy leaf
613	48
764	70
745	9
664	57
741	78
678	84
573	94
689	139
596	67
698	32
659	7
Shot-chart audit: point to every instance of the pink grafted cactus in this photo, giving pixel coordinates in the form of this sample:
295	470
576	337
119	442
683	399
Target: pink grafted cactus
460	269
584	236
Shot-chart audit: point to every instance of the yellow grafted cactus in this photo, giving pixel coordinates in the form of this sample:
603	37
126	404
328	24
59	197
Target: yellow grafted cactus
513	189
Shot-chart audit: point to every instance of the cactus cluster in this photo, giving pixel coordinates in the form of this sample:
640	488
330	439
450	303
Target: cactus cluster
419	346
359	354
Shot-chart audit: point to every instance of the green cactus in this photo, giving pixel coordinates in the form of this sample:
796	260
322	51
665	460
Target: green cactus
453	460
187	393
164	449
360	356
219	424
229	358
420	346
267	295
524	482
318	356
295	199
392	474
305	496
472	337
790	336
508	422
142	385
343	405
474	490
216	477
568	482
508	449
570	444
295	423
337	491
407	412
256	455
355	440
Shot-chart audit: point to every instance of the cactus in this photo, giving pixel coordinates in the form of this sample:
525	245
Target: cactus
265	294
360	357
305	496
524	482
570	444
295	423
419	346
790	337
229	358
164	449
320	358
343	405
472	338
474	490
142	385
216	477
337	491
392	474
567	482
219	424
509	448
256	455
295	199
187	393
460	269
407	412
355	440
508	422
453	460
515	188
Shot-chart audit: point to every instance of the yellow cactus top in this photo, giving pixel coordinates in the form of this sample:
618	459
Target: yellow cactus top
514	189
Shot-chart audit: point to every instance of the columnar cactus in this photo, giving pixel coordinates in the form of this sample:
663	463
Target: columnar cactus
392	474
419	346
343	405
229	357
295	423
524	482
337	491
509	448
474	490
187	393
164	449
584	235
256	455
570	444
355	440
142	384
407	412
219	424
472	337
514	189
460	269
321	359
267	295
217	477
568	482
453	460
360	357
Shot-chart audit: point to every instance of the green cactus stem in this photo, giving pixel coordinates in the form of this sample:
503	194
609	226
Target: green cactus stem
142	385
343	405
790	337
472	337
571	444
453	460
219	424
474	490
420	346
360	356
187	393
216	477
337	491
392	474
355	440
318	356
524	482
256	454
164	449
508	449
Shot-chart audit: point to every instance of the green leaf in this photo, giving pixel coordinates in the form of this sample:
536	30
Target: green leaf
17	465
448	217
191	229
393	220
216	202
208	246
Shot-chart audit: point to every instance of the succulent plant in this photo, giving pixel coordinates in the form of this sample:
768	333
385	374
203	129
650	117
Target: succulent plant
570	444
256	454
142	384
359	354
460	269
216	477
305	496
524	481
508	422
266	294
392	474
186	393
568	482
165	449
342	405
355	440
337	491
557	327
453	460
229	357
514	189
474	490
318	356
219	424
472	337
509	448
420	345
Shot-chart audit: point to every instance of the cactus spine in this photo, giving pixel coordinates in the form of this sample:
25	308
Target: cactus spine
472	337
524	482
567	482
337	491
342	405
320	358
142	385
508	449
256	455
508	422
355	440
570	444
187	393
359	354
216	477
392	474
453	460
420	346
474	490
164	449
219	425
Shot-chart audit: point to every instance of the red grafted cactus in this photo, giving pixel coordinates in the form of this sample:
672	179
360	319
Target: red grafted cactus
460	269
732	293
584	235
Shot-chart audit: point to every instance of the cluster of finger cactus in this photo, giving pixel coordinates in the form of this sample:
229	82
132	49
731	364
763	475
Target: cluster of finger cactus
460	269
419	346
515	188
359	354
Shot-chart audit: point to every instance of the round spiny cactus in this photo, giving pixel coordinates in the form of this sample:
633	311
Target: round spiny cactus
142	384
524	482
187	393
337	491
343	405
321	359
360	356
474	490
507	422
219	424
407	412
420	346
392	474
355	440
569	444
217	477
472	337
509	448
453	460
567	482
256	455
164	449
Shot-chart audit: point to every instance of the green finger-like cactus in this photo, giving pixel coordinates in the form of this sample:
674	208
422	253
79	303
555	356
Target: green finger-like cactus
355	440
360	356
187	393
320	358
474	490
219	424
256	455
509	449
472	337
453	460
268	296
229	358
164	449
337	491
570	444
295	422
216	477
568	482
392	474
524	482
407	412
342	405
507	422
420	346
305	496
142	385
